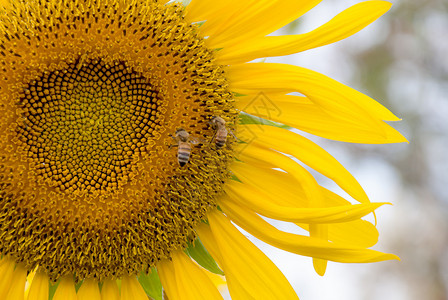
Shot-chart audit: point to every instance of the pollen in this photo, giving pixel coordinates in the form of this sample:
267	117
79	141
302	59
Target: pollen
91	96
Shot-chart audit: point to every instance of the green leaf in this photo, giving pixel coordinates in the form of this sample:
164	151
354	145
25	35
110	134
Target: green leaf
151	284
236	94
52	289
198	252
246	118
233	177
78	285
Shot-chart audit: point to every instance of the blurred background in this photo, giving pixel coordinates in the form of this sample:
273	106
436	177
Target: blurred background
401	60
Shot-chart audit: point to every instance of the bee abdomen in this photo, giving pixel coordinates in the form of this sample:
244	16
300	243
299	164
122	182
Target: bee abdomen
184	154
221	137
220	143
183	158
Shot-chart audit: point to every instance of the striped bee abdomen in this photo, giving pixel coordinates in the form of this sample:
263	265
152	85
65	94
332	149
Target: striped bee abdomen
183	154
220	141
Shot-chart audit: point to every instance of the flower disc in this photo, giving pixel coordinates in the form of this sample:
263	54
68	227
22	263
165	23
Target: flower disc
91	94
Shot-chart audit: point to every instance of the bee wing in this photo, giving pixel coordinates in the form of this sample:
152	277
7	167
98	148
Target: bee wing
195	140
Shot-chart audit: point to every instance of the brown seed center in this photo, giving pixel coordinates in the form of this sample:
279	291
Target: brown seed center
83	126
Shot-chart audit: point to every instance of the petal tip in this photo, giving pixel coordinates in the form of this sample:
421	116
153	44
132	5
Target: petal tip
383	5
395	257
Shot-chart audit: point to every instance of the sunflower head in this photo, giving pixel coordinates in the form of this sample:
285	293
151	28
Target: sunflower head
91	93
117	163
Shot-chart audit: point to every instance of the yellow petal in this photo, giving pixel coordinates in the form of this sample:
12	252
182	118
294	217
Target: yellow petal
29	280
252	18
340	27
39	287
183	279
66	289
17	289
243	195
357	233
167	276
131	289
245	266
192	280
218	280
6	275
202	10
109	290
236	289
319	231
281	187
89	290
252	154
278	186
303	245
309	153
301	113
329	94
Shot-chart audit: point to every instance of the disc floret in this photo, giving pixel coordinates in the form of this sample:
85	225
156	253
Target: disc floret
92	92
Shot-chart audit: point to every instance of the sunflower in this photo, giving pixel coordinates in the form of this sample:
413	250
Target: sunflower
135	134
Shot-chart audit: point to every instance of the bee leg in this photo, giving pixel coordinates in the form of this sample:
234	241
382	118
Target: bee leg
234	136
175	140
213	137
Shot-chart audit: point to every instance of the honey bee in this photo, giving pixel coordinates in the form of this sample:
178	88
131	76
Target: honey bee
183	142
221	131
